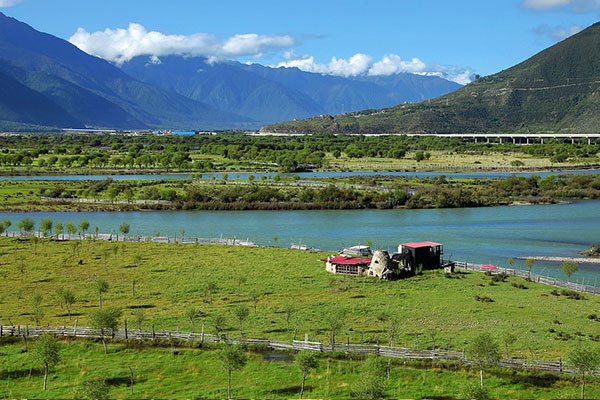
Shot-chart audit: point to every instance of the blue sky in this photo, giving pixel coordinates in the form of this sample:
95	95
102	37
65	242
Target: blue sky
365	37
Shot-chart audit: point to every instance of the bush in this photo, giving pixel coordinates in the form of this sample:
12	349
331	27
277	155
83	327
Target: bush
484	299
472	390
501	277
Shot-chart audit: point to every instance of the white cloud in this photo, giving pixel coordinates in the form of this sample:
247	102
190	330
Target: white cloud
358	64
121	45
9	3
558	33
362	64
393	64
574	5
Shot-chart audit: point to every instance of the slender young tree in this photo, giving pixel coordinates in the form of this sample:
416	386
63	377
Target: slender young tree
124	228
218	323
7	224
106	321
102	287
484	353
192	314
71	229
288	310
335	320
584	361
46	226
38	311
306	361
233	359
254	297
508	338
67	297
46	351
59	229
139	317
569	268
241	312
383	317
529	265
241	279
83	227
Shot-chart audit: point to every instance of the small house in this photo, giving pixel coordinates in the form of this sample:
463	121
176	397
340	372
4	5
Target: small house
427	255
348	265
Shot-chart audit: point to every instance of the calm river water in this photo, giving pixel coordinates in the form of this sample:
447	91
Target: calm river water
484	235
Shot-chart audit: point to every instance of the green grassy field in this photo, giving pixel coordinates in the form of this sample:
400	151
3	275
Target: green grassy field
197	373
171	278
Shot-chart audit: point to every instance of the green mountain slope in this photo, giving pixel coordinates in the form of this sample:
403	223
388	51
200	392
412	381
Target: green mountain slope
557	90
83	84
19	103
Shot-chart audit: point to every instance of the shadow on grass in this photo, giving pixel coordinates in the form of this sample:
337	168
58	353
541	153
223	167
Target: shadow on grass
142	306
532	379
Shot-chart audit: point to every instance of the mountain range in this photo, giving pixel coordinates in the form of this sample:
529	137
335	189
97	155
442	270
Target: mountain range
556	90
47	83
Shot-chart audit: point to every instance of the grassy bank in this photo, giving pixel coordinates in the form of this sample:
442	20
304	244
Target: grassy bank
197	373
172	278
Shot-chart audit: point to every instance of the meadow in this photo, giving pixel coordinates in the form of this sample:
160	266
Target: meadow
293	296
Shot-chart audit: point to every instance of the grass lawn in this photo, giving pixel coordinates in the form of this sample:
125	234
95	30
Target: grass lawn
197	373
171	278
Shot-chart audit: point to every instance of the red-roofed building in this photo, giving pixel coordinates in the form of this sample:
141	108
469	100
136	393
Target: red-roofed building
347	265
424	255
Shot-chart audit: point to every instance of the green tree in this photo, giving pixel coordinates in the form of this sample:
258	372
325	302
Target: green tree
211	287
511	261
106	320
102	287
71	228
83	227
7	224
241	312
289	310
334	319
254	297
46	351
306	361
38	311
2	228
508	338
67	297
58	229
124	228
569	268
241	279
218	323
192	314
584	361
371	383
26	225
529	265
484	353
46	226
233	359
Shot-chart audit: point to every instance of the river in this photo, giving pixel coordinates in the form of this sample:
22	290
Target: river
481	235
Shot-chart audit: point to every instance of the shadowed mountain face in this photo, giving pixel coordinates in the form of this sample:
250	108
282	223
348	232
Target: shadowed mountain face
557	90
92	91
278	94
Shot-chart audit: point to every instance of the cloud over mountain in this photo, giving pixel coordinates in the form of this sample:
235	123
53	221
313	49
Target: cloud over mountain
390	64
121	45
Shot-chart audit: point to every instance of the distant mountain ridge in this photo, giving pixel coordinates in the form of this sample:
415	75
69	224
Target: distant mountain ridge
48	83
92	90
557	90
276	94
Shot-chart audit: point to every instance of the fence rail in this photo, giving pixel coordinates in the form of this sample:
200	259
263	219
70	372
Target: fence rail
384	351
547	280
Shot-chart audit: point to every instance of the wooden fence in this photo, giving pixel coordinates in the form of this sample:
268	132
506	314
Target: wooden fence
547	280
383	351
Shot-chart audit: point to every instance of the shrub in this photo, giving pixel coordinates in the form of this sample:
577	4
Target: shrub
484	299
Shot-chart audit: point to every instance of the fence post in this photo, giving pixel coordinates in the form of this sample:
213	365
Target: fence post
362	338
560	365
202	335
153	330
126	329
1	331
75	328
